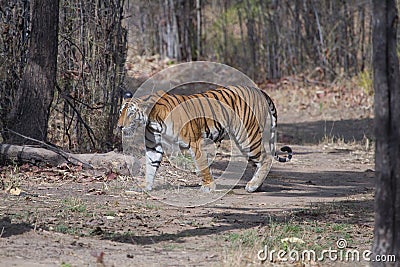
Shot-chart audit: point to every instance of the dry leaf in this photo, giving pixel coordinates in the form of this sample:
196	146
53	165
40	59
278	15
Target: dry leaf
111	176
15	191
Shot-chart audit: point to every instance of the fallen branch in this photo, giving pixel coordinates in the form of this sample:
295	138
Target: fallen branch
108	162
67	157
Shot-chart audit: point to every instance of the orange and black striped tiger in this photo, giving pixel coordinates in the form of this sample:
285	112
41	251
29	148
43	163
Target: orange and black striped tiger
238	112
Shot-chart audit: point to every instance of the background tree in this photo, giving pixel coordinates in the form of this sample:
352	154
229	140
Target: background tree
316	41
91	58
90	70
387	130
30	112
264	39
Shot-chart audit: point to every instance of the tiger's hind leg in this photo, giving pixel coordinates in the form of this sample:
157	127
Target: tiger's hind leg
263	168
200	158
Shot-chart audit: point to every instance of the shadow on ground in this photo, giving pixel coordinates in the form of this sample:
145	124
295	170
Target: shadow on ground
349	212
325	186
8	229
317	131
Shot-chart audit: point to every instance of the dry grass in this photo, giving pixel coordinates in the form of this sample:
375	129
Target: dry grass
303	230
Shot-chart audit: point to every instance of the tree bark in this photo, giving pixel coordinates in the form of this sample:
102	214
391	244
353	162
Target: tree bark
387	131
30	112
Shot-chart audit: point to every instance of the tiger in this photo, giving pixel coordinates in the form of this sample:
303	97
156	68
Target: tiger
236	112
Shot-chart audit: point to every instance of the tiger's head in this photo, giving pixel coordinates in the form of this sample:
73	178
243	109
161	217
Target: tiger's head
132	113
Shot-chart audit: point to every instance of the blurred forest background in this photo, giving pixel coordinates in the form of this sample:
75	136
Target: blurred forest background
106	46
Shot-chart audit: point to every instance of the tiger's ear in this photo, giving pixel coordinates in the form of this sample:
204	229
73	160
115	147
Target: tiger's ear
160	93
145	105
128	95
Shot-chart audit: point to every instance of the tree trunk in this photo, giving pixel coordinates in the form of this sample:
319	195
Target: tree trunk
30	112
251	35
198	30
387	131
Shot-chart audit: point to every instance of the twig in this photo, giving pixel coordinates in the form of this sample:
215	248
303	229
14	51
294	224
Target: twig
88	129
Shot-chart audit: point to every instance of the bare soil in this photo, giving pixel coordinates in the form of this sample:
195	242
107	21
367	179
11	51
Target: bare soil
62	219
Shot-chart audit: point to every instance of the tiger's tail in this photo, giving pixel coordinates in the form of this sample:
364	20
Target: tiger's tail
288	157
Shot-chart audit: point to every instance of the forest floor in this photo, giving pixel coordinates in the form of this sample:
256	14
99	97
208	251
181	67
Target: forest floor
322	199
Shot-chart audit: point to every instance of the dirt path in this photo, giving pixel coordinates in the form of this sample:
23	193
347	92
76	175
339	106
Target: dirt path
328	184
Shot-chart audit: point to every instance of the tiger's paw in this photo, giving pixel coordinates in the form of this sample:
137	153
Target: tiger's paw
141	188
251	187
148	188
208	188
136	190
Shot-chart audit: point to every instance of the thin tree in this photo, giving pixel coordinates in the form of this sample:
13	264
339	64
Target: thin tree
30	112
387	131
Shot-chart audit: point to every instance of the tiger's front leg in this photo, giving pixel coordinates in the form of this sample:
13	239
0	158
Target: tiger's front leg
153	160
154	154
200	158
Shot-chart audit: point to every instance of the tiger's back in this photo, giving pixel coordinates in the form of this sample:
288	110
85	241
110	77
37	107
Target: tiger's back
240	112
